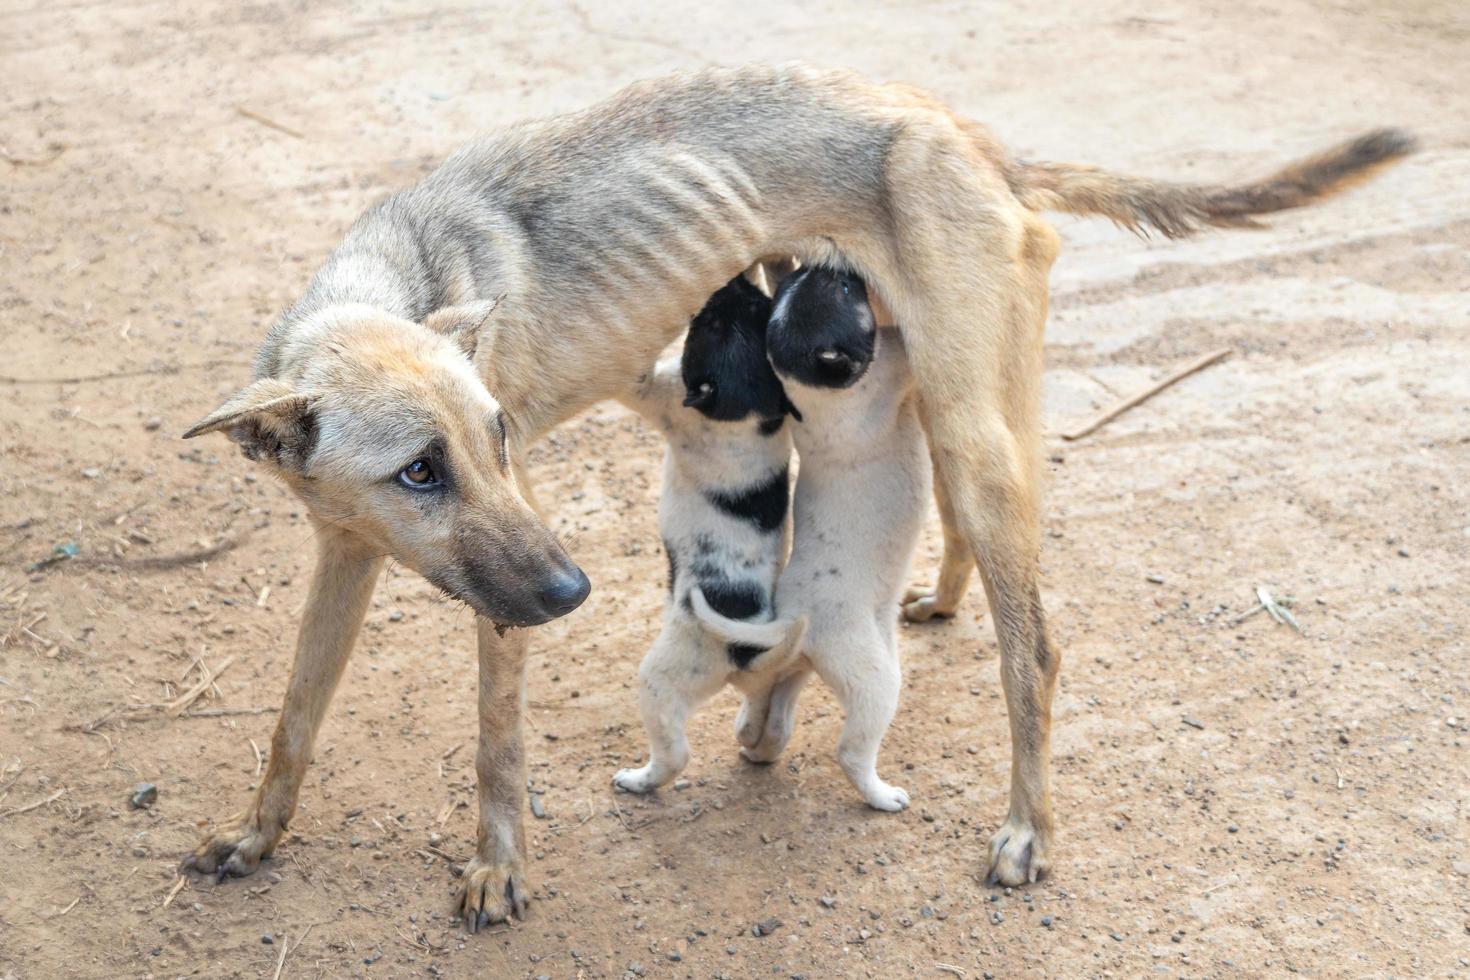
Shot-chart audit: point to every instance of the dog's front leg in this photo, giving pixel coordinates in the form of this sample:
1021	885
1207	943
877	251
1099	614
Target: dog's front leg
493	887
346	571
922	603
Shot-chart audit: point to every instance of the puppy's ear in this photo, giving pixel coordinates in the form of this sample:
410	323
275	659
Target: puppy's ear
269	419
463	324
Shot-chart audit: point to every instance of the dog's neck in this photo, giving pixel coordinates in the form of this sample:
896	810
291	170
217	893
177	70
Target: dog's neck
400	268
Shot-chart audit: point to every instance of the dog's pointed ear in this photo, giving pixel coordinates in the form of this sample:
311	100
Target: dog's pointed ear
271	421
464	323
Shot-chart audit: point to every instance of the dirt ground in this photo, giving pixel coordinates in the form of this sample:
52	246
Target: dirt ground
1233	797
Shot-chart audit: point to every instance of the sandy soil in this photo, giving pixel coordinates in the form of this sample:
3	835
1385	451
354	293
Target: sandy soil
1234	798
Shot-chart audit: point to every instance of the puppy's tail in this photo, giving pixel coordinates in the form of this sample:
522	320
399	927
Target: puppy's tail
1177	210
757	638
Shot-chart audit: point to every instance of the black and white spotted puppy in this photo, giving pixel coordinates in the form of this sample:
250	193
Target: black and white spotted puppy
861	492
722	512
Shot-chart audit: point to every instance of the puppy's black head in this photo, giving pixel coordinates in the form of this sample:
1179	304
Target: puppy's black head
726	374
822	331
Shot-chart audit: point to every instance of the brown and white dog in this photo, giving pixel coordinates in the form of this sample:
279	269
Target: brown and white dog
397	405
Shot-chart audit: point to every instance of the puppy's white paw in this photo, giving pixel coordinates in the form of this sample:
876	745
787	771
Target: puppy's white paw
890	799
636	780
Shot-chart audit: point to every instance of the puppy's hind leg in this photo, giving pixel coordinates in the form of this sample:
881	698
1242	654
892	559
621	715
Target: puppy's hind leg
862	670
675	678
750	720
777	723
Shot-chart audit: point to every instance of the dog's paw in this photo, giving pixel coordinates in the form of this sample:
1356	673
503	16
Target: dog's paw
1018	854
491	893
638	781
750	721
763	752
890	799
231	852
921	604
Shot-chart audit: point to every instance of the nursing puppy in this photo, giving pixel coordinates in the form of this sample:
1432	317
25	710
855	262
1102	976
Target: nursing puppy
861	491
722	511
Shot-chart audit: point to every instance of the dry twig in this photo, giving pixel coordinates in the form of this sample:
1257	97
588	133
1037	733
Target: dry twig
16	811
178	884
271	123
179	705
1143	396
114	375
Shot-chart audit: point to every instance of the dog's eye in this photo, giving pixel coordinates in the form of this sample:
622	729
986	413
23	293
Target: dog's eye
418	475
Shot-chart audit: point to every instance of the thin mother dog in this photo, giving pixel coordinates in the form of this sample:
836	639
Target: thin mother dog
395	398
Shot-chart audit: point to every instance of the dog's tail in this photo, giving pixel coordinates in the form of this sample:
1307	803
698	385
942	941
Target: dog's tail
754	638
1177	210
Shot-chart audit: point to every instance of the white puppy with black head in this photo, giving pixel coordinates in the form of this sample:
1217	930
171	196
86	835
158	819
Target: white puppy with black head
722	512
861	492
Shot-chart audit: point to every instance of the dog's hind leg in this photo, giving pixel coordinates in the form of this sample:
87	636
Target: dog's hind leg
341	586
493	886
971	267
861	667
779	706
675	678
921	603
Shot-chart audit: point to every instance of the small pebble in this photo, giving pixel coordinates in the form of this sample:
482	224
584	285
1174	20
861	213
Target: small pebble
828	902
153	424
144	795
681	784
1156	579
537	810
1233	829
1046	921
765	927
268	939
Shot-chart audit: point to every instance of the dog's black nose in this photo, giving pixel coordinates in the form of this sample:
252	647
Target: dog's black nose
565	592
